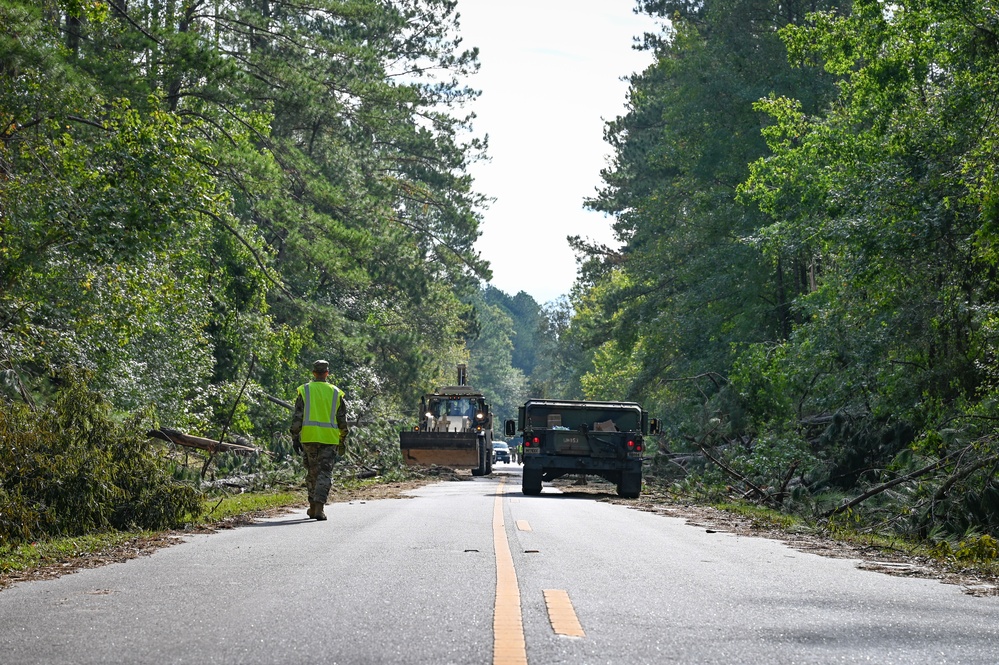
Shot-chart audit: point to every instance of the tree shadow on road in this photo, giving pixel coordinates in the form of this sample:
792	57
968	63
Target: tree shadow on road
301	520
592	496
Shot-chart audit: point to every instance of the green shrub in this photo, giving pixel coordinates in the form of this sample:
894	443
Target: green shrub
976	548
70	468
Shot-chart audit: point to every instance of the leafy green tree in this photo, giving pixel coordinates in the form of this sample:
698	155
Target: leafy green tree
490	364
192	189
689	287
888	193
298	189
555	374
528	324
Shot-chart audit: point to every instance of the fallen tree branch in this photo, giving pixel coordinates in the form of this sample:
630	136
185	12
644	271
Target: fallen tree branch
953	480
782	493
874	491
201	443
279	401
730	471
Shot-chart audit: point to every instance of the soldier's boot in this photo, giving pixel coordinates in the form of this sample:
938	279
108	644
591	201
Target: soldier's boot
311	512
317	511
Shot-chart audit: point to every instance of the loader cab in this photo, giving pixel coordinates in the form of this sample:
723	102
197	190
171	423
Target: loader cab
461	406
454	413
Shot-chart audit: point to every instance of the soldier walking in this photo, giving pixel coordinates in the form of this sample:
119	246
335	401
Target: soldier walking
319	431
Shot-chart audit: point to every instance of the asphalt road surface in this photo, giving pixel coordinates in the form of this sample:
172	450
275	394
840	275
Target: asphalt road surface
475	572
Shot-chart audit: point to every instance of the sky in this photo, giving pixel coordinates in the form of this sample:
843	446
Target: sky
550	76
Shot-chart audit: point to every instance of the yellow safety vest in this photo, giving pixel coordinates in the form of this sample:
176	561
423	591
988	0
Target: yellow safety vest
319	420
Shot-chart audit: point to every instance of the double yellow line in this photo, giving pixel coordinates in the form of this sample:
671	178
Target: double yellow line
509	646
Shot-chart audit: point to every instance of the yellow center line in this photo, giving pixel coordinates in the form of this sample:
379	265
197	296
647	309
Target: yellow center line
509	647
561	613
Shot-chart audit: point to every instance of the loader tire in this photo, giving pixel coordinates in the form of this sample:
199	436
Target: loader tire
484	457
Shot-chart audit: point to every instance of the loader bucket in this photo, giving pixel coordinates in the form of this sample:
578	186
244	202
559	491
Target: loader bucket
457	450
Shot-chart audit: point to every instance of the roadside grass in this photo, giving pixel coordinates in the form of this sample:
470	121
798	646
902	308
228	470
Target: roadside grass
216	509
763	518
222	506
975	554
27	556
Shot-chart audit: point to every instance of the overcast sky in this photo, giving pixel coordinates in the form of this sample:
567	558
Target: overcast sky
550	75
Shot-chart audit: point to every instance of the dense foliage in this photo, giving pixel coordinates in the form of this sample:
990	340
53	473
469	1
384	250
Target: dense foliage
198	193
188	184
805	193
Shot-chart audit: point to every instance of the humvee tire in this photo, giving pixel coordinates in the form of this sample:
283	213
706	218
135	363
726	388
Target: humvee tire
630	484
531	483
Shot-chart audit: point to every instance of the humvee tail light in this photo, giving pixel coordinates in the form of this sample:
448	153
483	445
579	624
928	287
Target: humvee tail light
536	440
631	444
480	415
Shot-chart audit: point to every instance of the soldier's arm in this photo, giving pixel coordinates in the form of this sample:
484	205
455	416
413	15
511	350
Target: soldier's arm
297	418
341	419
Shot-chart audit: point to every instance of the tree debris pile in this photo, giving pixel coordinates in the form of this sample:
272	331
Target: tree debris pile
71	468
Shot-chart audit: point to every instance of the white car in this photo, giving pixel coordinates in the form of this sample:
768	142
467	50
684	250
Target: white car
501	452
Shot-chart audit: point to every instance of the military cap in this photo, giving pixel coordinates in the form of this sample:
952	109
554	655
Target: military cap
321	366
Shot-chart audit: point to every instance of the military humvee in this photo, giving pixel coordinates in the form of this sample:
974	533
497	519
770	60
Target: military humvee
603	439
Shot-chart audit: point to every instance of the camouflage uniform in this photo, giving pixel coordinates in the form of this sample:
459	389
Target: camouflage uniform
319	458
319	461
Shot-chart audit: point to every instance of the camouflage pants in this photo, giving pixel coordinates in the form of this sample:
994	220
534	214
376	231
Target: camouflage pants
319	461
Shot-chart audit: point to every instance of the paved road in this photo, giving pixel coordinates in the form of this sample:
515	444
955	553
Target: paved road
416	581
